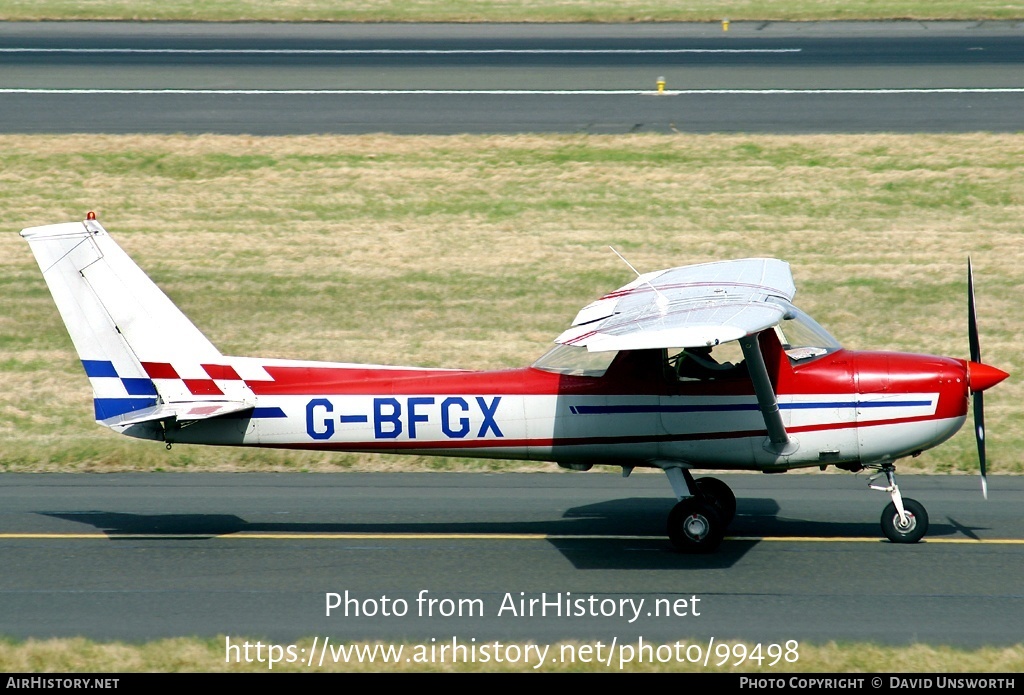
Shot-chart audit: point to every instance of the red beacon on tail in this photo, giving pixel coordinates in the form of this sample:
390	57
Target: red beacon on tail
707	366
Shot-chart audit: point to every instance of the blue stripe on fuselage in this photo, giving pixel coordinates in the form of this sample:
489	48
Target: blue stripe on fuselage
733	407
268	413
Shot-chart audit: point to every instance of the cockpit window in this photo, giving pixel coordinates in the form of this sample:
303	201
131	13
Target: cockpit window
801	336
724	361
575	361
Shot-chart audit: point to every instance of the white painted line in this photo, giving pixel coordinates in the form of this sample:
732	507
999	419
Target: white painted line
400	51
521	92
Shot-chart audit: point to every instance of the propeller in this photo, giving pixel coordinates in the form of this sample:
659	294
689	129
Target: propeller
980	376
979	395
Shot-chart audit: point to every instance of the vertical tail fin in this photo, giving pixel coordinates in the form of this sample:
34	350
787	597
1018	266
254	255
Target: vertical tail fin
140	352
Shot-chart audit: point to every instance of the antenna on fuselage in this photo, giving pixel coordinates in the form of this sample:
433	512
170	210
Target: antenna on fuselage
662	300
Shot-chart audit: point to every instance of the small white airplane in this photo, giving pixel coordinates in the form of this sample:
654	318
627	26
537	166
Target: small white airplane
632	383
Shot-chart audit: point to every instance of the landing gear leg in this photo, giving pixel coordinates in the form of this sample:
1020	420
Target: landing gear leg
694	524
904	520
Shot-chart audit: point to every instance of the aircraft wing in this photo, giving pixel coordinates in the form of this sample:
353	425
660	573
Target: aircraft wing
693	305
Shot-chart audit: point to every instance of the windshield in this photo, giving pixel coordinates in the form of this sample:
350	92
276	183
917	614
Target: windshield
574	360
801	336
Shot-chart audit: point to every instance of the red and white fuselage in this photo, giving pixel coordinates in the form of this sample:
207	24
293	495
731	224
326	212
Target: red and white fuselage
631	383
846	407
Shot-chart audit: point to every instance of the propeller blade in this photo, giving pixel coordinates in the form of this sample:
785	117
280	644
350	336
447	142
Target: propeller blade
979	434
972	316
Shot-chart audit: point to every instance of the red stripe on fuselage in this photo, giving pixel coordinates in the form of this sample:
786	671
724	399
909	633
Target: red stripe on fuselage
332	381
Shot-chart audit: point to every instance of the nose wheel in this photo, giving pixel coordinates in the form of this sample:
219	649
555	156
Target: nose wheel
910	528
904	520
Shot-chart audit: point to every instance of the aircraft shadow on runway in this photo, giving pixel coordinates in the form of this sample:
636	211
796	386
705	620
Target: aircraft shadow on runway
604	535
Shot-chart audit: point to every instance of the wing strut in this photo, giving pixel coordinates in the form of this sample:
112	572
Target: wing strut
779	441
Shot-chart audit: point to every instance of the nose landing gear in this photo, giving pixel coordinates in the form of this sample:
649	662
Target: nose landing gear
904	520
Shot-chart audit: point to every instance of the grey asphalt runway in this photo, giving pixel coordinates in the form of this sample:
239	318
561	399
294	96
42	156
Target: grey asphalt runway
317	78
142	556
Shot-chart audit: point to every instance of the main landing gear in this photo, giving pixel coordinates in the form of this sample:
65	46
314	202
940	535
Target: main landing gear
707	506
698	521
904	520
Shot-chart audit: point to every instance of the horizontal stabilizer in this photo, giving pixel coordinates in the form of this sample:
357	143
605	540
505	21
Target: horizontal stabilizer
185	412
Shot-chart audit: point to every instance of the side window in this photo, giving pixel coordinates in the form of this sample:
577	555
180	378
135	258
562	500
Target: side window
576	361
706	363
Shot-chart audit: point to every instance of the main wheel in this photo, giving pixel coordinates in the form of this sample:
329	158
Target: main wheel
695	527
720	496
913	530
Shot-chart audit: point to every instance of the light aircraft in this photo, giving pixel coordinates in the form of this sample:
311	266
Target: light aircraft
636	381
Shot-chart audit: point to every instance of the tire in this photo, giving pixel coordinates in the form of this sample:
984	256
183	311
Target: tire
915	529
720	496
695	527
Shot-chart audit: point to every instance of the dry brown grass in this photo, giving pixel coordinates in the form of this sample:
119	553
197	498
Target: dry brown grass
506	10
208	656
475	251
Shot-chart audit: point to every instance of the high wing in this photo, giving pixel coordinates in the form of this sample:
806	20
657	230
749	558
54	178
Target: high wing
688	306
